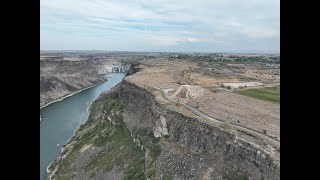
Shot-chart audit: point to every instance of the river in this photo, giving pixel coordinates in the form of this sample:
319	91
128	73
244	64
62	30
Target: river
61	119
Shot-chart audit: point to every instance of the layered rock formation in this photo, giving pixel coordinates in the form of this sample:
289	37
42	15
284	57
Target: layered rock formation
192	149
59	78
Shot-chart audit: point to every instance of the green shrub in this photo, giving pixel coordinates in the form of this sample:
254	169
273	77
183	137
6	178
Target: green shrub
155	151
151	173
114	95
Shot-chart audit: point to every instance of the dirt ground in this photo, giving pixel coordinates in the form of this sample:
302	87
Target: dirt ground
195	88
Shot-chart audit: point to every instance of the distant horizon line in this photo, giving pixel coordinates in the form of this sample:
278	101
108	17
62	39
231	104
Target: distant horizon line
232	52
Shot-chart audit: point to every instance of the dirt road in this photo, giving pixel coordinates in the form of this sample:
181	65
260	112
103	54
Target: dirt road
274	142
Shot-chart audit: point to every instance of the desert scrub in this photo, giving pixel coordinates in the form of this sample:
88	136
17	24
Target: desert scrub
117	148
148	141
106	131
151	173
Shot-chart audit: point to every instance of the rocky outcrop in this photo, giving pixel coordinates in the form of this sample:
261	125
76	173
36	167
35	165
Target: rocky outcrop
62	78
192	149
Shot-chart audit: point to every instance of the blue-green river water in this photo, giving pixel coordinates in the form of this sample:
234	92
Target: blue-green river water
61	119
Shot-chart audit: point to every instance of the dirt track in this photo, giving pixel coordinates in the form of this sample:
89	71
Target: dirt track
275	143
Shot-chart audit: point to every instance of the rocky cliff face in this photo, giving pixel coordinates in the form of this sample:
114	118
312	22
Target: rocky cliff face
131	135
61	78
192	149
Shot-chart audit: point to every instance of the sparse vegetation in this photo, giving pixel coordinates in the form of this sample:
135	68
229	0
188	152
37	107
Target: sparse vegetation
240	175
119	149
168	177
136	152
151	173
225	126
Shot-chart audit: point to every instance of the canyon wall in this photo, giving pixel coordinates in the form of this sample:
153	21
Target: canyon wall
192	149
59	78
131	135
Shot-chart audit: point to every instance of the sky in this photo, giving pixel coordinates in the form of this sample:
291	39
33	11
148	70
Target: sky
161	25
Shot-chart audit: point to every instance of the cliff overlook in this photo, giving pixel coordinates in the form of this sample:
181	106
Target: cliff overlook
171	119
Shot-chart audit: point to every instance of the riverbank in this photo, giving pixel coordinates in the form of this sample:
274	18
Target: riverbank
63	119
69	95
51	173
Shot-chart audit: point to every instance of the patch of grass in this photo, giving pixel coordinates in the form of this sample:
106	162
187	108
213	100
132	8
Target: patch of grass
135	170
151	173
113	95
92	174
225	126
149	141
155	151
119	149
101	140
271	94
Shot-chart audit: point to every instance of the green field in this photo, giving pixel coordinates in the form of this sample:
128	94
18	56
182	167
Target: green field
271	94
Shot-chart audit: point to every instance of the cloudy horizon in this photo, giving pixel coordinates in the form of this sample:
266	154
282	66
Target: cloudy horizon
161	25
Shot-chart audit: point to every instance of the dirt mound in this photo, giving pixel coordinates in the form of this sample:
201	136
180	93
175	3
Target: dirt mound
188	92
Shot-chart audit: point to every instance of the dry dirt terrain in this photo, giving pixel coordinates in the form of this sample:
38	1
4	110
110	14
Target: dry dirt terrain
204	92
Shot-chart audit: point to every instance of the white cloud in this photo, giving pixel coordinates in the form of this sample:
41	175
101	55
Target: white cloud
161	23
170	40
260	32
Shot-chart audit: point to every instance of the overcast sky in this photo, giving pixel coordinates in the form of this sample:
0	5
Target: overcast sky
161	25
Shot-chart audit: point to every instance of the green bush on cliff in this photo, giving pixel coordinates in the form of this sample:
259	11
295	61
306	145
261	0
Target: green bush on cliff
117	148
151	173
113	95
155	151
135	171
148	140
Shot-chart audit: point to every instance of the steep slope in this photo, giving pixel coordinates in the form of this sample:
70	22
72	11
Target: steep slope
61	78
131	135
